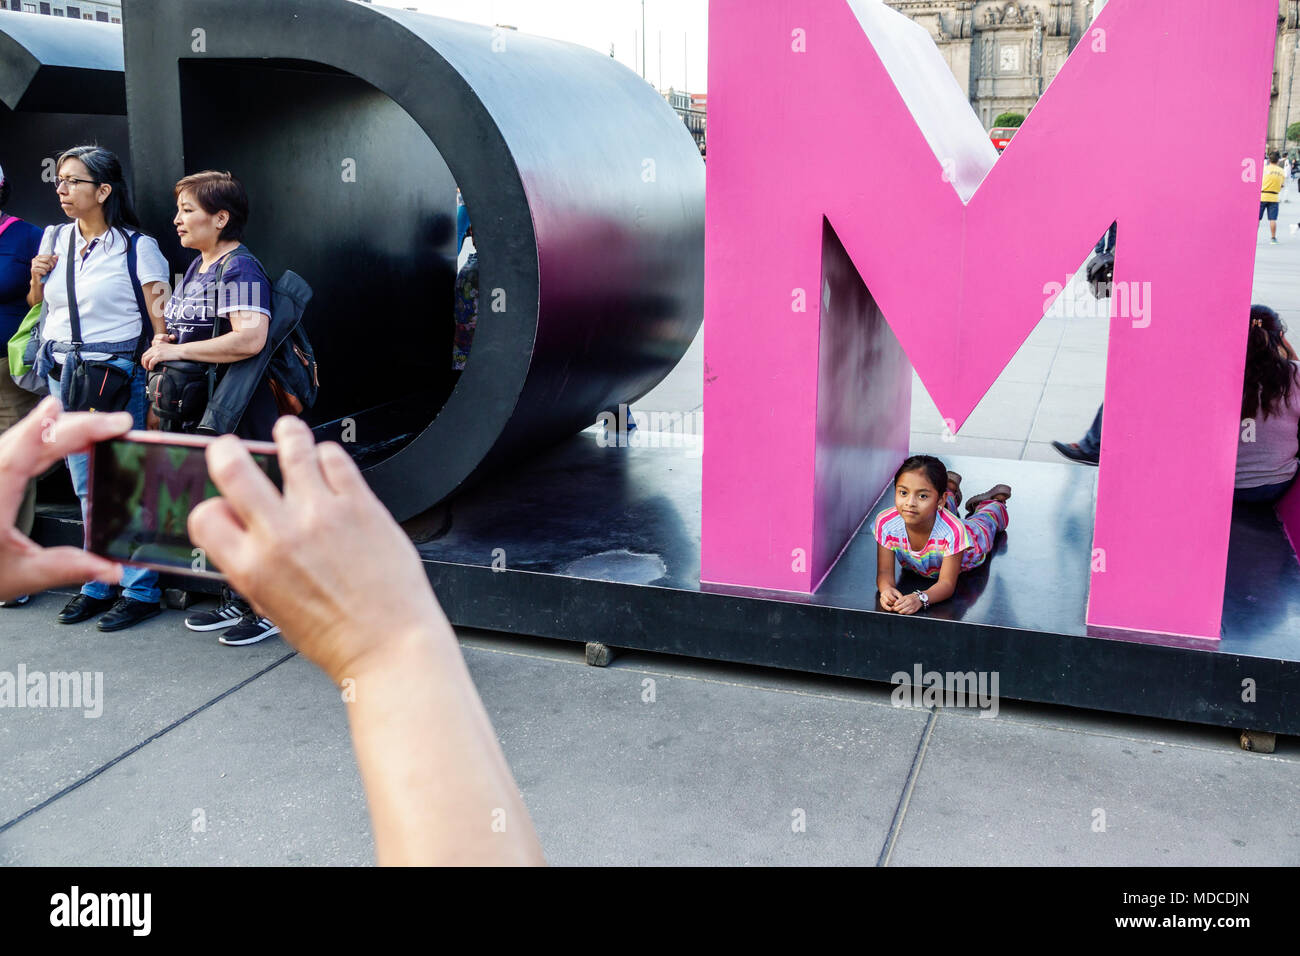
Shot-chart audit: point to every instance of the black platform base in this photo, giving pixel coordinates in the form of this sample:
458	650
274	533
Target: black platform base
602	545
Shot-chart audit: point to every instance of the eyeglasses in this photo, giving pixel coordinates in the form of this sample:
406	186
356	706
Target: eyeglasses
67	182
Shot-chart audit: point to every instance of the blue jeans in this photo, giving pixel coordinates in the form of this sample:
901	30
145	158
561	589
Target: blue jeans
1264	494
140	584
1091	442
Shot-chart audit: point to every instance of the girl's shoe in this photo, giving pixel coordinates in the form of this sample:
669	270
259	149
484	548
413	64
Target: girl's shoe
997	491
16	602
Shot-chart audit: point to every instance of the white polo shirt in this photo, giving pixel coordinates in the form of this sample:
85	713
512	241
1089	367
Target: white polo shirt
105	298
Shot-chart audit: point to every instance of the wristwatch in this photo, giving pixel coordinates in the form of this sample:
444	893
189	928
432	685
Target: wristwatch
925	599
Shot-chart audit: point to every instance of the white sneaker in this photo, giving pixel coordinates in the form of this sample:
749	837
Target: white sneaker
228	612
249	631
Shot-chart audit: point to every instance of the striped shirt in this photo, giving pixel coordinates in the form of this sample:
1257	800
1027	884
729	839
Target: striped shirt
949	536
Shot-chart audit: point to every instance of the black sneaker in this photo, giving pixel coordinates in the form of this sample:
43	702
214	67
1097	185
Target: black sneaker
249	630
1073	452
228	612
16	602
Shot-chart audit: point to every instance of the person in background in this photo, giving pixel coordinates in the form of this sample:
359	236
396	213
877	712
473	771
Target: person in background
462	222
1270	412
466	308
1101	277
220	315
19	244
92	191
1274	178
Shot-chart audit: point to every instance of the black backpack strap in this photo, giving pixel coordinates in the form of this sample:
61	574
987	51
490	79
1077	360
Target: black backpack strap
74	314
228	258
146	323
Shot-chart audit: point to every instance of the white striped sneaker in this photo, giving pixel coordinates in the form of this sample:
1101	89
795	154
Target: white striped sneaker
228	612
250	630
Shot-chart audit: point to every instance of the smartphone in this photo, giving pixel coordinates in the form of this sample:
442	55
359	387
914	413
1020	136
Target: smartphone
47	248
143	487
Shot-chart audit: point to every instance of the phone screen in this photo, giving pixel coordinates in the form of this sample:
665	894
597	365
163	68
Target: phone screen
141	496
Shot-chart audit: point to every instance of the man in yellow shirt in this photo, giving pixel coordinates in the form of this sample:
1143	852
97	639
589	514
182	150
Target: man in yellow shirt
1274	178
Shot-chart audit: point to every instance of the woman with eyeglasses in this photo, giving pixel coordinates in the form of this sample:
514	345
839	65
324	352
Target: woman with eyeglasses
19	243
118	314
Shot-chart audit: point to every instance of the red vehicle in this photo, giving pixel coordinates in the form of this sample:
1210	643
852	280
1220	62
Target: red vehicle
1001	136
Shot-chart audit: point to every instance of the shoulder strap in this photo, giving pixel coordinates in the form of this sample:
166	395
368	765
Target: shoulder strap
146	323
221	271
70	269
6	223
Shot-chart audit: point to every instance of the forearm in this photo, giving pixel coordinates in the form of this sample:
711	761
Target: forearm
35	294
438	786
940	591
224	349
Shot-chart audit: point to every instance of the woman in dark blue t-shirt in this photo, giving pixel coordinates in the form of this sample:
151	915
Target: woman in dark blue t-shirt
223	325
19	243
220	315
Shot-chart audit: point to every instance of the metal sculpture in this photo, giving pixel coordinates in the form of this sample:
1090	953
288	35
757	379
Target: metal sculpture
585	190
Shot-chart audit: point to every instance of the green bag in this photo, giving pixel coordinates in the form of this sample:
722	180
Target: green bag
22	352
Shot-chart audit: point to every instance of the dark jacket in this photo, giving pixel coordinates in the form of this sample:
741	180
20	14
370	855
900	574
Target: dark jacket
289	298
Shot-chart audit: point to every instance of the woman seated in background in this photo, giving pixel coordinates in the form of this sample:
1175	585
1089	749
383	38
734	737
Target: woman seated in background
1270	412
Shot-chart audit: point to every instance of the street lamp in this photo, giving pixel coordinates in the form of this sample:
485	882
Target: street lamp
1290	88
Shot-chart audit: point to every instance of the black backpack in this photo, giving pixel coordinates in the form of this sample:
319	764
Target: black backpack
288	363
292	372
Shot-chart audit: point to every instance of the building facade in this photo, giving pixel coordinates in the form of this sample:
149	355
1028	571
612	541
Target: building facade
105	11
693	109
1004	53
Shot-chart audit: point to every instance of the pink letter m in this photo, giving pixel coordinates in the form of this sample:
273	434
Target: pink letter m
837	122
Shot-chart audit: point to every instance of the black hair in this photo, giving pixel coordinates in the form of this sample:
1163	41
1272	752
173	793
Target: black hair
104	167
933	469
1270	376
216	192
1274	156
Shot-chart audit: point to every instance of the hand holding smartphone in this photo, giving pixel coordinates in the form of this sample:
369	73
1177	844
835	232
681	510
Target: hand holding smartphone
143	487
46	254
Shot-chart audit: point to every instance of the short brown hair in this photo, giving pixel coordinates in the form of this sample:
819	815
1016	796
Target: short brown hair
216	192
